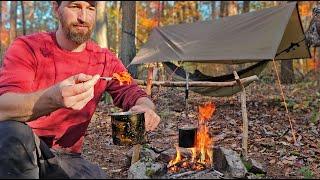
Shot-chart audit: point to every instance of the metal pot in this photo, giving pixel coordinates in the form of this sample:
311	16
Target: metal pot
187	136
128	128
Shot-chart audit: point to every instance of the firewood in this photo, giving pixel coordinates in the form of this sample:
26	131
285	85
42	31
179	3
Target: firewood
245	124
195	174
149	80
135	153
188	173
197	83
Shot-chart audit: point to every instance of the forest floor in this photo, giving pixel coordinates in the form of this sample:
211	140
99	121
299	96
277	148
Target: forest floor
270	138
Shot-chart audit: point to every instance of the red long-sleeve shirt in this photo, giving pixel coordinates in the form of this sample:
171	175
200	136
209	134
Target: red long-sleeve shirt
36	62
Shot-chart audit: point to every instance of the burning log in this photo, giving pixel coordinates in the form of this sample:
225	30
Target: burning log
176	164
198	83
187	164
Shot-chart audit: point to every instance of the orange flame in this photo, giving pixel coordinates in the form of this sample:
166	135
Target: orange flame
202	153
204	141
194	154
206	111
177	159
123	77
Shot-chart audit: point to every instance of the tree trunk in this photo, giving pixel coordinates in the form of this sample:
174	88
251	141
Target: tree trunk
101	25
246	6
118	28
160	13
287	74
174	13
128	47
223	8
232	8
29	15
13	20
214	11
23	18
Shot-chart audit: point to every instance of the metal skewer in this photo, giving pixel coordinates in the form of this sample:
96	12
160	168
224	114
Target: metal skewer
106	78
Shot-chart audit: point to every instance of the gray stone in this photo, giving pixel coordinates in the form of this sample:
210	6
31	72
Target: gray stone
257	168
228	162
146	170
167	155
145	153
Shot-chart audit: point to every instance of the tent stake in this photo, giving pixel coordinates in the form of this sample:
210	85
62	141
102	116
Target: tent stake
284	101
245	125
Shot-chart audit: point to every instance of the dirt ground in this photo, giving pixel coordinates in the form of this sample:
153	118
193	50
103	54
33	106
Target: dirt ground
270	138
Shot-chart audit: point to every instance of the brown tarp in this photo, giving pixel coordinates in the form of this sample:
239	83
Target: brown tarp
255	36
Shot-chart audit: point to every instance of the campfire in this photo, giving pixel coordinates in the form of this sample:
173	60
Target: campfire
202	152
194	157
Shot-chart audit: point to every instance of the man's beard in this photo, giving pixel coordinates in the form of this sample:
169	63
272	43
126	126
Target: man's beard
74	35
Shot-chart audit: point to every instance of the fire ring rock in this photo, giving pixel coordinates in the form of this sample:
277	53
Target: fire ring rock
229	162
146	170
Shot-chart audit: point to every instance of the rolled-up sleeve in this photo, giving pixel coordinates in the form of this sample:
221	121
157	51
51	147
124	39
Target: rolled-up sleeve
124	96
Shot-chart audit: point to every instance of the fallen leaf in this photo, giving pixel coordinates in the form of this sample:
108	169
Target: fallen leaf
289	139
287	162
219	137
272	161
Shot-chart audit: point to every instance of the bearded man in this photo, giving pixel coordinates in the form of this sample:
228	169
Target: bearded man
49	89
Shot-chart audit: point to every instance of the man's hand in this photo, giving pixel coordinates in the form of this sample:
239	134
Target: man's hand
151	118
75	92
145	105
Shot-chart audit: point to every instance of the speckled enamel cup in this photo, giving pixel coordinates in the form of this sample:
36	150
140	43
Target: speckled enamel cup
128	128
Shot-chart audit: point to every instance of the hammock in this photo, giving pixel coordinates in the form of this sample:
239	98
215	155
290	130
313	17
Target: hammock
179	74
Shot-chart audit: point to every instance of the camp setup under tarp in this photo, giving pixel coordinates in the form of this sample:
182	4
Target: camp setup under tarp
248	37
272	33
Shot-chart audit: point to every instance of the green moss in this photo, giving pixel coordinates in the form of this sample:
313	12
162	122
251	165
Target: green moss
306	172
150	172
247	164
315	116
260	176
295	153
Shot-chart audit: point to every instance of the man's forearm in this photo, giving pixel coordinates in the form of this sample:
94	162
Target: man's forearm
144	101
26	107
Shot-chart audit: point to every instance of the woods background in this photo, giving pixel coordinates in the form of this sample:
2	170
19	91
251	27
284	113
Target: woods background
124	26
